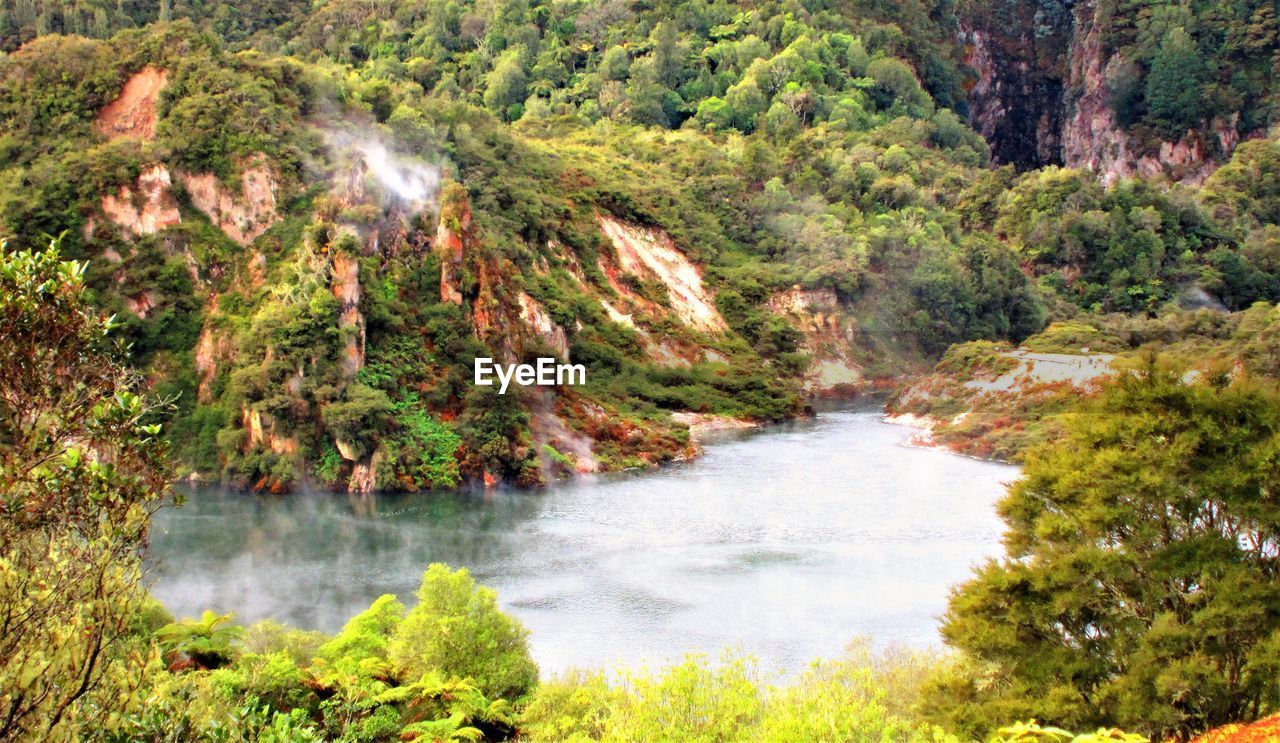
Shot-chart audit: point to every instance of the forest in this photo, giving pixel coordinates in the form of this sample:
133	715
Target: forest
262	245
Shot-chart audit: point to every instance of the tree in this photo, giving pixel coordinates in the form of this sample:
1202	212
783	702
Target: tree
458	630
614	64
505	85
359	419
896	83
646	95
668	54
1124	80
1175	99
1140	584
1250	183
780	123
714	113
82	467
746	101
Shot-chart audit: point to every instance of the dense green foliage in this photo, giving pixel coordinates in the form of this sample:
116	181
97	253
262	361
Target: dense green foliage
655	64
856	698
268	682
1175	67
81	469
457	628
1133	247
310	317
1139	585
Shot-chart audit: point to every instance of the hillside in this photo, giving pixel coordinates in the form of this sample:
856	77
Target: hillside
270	244
994	401
1121	88
311	219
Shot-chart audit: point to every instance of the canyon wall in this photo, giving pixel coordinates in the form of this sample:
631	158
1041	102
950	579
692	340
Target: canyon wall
1042	95
1014	104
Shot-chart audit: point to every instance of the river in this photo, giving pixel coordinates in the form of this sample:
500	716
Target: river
786	543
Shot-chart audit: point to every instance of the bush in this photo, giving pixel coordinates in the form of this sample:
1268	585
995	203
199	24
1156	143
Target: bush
366	634
857	698
457	630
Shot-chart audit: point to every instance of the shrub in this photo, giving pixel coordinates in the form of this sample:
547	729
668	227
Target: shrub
856	698
366	634
458	630
207	642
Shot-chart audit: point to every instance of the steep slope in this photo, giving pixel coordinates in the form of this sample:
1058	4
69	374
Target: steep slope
308	256
292	317
1121	89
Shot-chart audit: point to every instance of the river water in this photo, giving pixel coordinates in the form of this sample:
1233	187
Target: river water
787	544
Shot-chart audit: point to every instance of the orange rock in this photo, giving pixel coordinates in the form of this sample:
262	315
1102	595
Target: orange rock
244	216
1266	730
146	207
133	114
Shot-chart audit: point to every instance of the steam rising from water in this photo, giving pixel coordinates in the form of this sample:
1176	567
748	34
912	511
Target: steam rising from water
1195	297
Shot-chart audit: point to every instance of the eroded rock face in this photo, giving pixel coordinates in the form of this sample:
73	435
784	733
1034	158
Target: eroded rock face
346	288
133	114
211	348
364	475
1042	98
1015	104
537	319
262	433
1092	139
141	304
244	216
508	320
146	207
647	253
454	228
550	430
828	338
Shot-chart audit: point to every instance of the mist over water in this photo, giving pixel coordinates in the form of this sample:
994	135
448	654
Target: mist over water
786	543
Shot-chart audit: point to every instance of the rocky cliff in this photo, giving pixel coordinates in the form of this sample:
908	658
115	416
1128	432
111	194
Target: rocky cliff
1047	79
1016	100
1092	138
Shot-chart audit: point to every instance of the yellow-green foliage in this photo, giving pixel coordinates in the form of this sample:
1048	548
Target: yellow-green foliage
977	360
206	641
1033	732
1137	541
853	699
1073	338
274	683
365	635
272	636
81	467
457	629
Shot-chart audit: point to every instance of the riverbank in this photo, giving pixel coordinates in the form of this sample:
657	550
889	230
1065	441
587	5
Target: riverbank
994	402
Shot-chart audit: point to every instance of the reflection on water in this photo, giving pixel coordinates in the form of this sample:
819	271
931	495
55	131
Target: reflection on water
786	543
